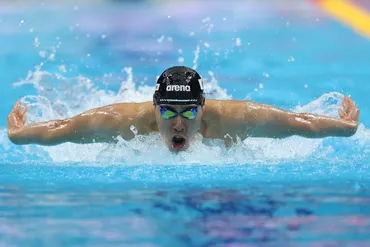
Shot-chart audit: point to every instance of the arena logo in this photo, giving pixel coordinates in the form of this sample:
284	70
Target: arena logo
177	88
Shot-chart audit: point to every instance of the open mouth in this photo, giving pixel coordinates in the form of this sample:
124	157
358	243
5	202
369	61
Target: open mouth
178	142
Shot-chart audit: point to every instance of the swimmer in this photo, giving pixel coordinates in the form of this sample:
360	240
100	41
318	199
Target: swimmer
178	112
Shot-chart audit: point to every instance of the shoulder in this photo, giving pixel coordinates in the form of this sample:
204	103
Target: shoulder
129	107
215	116
227	116
120	113
222	108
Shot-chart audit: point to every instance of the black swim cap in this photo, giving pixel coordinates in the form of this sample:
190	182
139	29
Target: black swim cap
179	85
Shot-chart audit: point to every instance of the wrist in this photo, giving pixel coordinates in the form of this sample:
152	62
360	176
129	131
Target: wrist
14	136
351	128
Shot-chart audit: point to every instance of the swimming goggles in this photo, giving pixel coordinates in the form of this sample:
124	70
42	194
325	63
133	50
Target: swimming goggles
168	113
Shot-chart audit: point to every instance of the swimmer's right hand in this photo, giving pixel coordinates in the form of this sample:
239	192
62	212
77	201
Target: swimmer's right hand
17	118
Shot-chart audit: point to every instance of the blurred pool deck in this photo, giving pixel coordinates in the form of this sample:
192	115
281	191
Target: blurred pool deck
20	21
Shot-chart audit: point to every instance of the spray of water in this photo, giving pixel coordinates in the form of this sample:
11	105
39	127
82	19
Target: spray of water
60	97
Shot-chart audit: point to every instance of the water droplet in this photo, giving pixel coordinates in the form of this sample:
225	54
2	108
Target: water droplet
260	85
160	39
62	68
180	60
103	36
42	53
291	59
179	50
206	45
51	56
133	129
305	86
238	42
36	42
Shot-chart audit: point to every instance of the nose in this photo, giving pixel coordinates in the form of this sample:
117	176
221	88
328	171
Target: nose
178	124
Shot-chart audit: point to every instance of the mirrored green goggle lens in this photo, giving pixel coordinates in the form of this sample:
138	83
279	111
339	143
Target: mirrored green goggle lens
167	114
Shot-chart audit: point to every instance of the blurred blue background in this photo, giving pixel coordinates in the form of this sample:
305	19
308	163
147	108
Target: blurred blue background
99	38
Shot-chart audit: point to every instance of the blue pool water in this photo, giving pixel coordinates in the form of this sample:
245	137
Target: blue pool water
67	58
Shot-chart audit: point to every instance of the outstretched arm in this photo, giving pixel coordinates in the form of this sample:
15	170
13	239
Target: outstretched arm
248	119
97	125
276	123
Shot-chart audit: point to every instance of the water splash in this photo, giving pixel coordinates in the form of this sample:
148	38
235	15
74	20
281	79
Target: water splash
56	104
61	97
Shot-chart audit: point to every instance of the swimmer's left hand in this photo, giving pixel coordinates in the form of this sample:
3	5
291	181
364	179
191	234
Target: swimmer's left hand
350	113
17	117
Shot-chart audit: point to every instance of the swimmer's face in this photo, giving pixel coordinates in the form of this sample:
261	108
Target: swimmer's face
178	131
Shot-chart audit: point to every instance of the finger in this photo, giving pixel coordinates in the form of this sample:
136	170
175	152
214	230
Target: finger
24	118
349	101
24	110
345	105
17	108
355	114
341	113
17	105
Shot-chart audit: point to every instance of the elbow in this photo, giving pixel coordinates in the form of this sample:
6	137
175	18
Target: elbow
302	125
55	133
